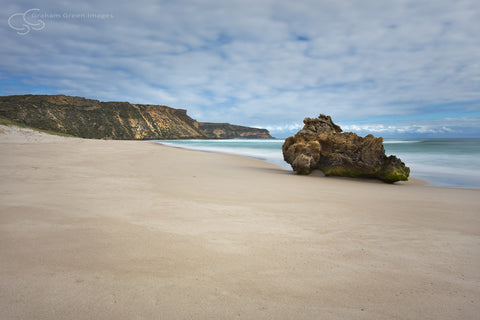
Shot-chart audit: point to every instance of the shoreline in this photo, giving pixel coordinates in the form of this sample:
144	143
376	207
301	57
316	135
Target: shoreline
126	229
421	181
315	173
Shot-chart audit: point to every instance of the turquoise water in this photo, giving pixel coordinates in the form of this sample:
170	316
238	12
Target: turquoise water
265	149
442	162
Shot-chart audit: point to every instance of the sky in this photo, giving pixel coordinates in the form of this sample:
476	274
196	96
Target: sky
396	68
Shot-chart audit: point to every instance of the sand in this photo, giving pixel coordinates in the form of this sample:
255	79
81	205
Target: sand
93	229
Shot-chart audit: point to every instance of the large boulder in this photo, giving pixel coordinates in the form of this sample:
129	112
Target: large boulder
322	145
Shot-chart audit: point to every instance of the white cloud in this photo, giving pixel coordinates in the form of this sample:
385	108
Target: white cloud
263	63
441	127
401	128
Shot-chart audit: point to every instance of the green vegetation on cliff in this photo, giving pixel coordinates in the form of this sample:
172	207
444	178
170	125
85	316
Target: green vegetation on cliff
89	118
7	122
229	131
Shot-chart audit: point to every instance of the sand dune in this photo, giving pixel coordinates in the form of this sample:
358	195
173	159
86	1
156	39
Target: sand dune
93	229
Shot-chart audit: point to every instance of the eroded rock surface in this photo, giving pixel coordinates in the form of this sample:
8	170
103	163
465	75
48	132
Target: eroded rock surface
322	145
89	118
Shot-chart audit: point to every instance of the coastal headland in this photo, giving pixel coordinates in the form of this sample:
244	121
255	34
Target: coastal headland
102	229
94	119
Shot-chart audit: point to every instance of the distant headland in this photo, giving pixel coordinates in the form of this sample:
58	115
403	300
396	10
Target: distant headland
88	118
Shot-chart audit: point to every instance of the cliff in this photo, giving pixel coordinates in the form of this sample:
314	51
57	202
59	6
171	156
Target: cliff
89	118
229	131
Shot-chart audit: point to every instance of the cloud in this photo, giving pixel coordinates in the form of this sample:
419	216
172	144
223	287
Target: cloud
426	128
262	63
448	127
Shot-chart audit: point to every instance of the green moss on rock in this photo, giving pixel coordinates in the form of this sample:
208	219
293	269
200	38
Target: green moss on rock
322	145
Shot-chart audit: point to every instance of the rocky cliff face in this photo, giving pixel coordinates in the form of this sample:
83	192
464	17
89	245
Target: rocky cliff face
322	145
89	118
229	131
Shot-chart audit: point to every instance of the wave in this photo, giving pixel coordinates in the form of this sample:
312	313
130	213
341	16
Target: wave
387	141
268	150
446	163
221	141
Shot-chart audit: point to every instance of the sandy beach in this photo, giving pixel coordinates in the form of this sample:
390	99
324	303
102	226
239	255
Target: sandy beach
96	229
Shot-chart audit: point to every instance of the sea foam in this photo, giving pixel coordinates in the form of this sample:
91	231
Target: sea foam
442	162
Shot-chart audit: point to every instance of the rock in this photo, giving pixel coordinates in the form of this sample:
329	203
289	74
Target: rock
322	145
230	131
87	118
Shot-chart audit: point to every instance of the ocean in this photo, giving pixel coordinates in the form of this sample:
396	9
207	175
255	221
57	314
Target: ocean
441	162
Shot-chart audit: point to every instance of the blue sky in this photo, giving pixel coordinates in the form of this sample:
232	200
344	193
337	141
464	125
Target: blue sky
392	68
